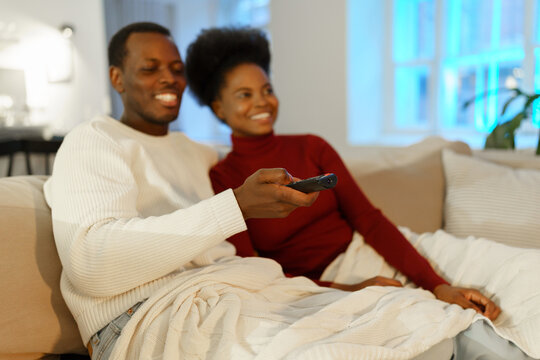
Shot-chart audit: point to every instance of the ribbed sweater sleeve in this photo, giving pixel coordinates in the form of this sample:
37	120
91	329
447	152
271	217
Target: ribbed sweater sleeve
377	230
119	225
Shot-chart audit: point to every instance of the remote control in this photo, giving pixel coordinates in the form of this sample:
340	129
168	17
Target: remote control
317	183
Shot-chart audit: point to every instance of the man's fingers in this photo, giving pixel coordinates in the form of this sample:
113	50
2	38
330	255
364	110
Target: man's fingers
296	197
274	176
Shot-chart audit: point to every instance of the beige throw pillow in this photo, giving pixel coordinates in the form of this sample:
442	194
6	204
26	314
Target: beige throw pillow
494	201
409	189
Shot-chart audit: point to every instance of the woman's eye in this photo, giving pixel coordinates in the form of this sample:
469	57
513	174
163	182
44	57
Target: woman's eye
244	95
269	91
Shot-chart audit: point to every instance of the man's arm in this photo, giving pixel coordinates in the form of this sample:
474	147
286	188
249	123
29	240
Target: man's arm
107	247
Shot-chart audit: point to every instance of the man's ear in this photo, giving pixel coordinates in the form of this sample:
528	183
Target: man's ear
217	108
117	78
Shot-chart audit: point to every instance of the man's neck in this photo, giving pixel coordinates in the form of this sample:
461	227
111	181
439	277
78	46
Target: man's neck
147	127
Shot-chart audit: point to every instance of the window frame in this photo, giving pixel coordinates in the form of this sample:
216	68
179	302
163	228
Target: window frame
437	122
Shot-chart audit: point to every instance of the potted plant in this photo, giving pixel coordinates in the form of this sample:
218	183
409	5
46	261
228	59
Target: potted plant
503	135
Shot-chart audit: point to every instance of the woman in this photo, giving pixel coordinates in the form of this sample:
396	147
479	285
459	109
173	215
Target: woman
227	69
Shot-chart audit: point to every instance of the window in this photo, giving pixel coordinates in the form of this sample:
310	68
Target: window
245	12
442	53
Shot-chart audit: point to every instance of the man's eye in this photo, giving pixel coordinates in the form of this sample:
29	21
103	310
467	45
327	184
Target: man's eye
148	69
243	95
269	91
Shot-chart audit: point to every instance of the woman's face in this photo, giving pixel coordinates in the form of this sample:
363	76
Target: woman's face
247	102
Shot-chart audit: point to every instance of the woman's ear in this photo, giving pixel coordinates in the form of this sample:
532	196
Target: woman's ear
117	79
217	108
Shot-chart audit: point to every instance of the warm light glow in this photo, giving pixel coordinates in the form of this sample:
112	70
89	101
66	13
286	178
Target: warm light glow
67	32
58	60
6	102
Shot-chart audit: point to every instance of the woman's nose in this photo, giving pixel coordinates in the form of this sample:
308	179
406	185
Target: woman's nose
261	100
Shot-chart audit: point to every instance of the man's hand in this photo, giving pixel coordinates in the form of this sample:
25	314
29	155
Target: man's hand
468	299
374	281
263	195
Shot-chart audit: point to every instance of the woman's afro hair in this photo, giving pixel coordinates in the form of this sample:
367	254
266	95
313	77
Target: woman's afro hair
218	50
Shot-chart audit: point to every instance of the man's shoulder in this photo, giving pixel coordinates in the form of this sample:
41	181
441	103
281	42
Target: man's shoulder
100	129
211	153
98	124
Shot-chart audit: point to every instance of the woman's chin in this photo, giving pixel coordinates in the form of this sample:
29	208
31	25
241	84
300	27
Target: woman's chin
253	133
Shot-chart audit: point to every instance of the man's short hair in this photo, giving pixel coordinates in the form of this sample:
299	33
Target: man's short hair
117	46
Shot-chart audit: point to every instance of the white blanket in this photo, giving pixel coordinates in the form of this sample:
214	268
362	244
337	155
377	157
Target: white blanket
244	308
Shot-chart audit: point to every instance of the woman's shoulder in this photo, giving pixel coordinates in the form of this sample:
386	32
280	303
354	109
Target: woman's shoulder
303	139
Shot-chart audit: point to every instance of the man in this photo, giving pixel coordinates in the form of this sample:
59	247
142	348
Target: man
131	202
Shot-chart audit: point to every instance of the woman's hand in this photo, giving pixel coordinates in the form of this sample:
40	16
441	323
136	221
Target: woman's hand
468	299
374	281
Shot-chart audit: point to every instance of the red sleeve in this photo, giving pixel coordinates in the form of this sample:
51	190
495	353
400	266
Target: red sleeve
377	230
243	245
217	183
241	241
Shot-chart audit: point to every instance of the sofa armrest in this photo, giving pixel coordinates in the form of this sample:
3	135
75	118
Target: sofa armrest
34	319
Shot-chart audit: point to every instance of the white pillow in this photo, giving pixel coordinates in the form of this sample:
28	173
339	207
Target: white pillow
497	202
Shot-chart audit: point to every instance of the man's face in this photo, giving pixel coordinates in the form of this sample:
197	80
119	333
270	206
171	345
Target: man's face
151	82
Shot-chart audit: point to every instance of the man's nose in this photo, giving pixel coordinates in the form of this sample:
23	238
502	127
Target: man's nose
168	76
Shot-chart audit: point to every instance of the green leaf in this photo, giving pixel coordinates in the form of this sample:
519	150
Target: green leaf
508	102
502	136
515	122
486	93
530	100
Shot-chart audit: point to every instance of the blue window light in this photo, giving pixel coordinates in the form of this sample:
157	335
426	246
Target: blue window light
444	53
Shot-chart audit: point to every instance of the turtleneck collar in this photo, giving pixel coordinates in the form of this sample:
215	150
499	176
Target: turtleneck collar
255	145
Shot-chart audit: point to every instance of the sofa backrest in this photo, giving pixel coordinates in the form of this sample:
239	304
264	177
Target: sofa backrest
34	319
406	183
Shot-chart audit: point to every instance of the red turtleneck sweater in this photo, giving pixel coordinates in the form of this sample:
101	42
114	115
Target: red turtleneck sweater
307	241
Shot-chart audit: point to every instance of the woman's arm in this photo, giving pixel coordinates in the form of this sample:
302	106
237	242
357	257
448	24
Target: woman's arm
377	230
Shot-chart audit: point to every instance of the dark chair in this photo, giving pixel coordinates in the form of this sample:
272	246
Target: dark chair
40	146
9	148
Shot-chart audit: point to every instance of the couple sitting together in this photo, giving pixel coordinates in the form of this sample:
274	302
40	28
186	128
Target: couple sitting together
148	250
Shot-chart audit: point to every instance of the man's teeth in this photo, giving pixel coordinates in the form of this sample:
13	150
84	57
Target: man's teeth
260	116
166	97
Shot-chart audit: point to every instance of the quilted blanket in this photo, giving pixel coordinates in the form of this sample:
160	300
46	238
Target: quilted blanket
244	308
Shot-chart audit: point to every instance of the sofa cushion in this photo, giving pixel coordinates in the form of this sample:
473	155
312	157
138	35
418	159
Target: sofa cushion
34	320
519	158
407	183
492	201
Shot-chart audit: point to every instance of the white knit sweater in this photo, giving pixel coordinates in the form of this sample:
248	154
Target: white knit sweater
129	212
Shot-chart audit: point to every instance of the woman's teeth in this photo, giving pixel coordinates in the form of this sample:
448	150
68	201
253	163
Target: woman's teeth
260	116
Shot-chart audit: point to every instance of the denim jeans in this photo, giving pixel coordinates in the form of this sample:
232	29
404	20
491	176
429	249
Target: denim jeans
104	340
481	342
